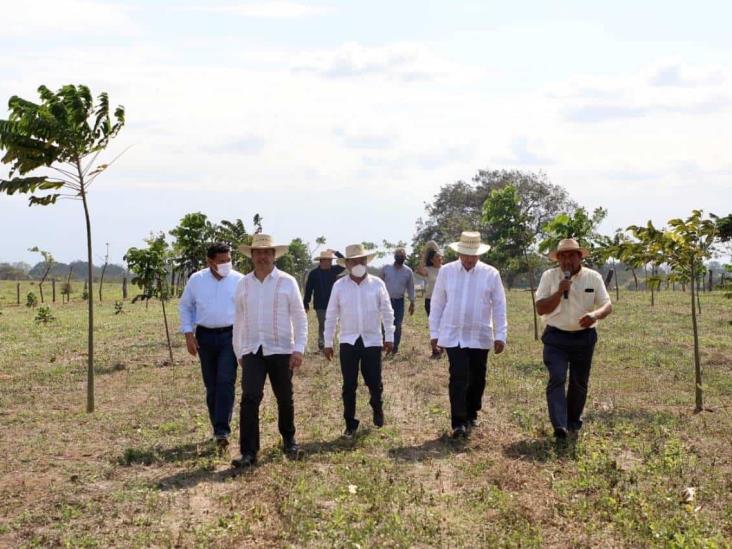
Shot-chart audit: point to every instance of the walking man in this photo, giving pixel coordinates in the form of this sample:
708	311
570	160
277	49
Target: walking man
319	285
571	299
467	319
270	333
361	305
399	280
207	316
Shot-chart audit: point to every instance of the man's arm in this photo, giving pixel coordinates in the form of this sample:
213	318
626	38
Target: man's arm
187	313
498	314
308	290
387	314
332	315
237	335
547	301
410	292
437	307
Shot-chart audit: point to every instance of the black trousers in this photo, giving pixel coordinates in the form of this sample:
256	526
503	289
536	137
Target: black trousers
467	383
254	373
427	308
369	360
562	351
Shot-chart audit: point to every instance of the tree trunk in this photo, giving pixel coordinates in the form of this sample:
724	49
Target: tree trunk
533	298
710	279
617	289
53	290
124	288
699	393
17	292
165	321
90	303
101	281
635	279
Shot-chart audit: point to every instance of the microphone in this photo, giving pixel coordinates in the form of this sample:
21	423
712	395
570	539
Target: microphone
567	276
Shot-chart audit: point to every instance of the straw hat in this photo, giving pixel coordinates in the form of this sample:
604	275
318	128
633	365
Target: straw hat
263	242
469	244
568	245
325	254
355	251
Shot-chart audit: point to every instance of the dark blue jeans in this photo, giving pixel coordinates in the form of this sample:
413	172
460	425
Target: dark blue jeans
398	306
568	351
218	366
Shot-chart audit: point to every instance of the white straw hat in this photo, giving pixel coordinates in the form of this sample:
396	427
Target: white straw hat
469	244
263	242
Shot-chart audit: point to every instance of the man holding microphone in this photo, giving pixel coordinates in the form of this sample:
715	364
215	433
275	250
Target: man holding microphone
571	299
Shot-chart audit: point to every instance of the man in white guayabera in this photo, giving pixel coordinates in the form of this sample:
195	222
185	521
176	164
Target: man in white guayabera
467	319
360	303
270	333
571	299
207	316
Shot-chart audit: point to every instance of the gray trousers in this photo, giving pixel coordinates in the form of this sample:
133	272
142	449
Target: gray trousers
567	351
320	313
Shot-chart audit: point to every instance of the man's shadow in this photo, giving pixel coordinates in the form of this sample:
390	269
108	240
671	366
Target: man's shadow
439	448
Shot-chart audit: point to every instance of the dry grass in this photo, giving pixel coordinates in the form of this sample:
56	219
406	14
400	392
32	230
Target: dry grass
139	471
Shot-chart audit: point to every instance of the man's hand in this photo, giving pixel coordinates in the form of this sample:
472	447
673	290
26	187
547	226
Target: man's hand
328	352
435	347
295	360
191	343
588	320
564	285
411	308
498	347
388	347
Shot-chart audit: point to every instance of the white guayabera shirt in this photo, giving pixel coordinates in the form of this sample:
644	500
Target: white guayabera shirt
468	308
361	310
269	314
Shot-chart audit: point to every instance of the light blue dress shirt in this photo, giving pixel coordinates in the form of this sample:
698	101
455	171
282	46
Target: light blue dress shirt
207	301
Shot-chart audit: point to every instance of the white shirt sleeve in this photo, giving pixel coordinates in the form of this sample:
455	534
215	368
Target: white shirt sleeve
601	295
438	302
332	314
240	321
498	304
545	285
387	314
299	318
187	309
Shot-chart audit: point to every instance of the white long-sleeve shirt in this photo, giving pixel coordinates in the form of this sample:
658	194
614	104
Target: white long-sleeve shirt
468	308
208	301
360	309
269	314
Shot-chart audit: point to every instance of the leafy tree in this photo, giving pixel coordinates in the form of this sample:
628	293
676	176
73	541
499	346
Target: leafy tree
512	236
151	268
297	261
724	227
578	225
192	236
685	245
458	206
48	263
65	132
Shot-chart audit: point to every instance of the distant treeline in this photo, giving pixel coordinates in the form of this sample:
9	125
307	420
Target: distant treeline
77	269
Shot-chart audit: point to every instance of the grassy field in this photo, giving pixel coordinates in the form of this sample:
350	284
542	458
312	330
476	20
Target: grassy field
139	472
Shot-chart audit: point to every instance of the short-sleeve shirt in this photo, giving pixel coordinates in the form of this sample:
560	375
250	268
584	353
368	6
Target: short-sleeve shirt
587	293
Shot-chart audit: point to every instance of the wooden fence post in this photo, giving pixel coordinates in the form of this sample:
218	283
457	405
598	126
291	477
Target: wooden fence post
17	291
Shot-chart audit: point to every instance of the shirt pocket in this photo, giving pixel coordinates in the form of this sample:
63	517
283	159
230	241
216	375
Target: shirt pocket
588	299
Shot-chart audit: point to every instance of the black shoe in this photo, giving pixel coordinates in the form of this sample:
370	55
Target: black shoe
244	460
379	418
560	433
473	424
350	432
460	432
221	445
291	448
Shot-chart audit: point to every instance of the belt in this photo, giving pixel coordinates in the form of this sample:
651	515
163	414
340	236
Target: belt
214	330
549	328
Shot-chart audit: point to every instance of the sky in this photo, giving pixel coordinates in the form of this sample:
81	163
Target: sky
343	118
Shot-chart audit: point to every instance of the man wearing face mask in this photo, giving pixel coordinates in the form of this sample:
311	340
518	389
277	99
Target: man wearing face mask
360	303
207	316
399	280
571	299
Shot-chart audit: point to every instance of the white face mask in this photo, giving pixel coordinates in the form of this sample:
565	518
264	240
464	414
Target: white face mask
223	269
358	270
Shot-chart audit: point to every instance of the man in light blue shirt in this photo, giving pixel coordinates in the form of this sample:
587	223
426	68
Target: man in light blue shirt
399	280
207	317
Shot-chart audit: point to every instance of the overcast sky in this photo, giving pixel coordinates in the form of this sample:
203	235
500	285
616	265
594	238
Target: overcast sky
343	118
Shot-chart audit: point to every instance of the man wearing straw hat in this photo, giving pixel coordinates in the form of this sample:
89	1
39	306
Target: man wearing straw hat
360	304
270	332
319	285
571	299
467	319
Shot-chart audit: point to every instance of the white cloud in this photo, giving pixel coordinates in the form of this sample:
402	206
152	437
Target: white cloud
274	9
67	17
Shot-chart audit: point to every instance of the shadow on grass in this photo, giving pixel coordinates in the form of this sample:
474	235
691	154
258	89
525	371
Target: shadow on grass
640	418
177	454
440	448
541	450
189	479
340	444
